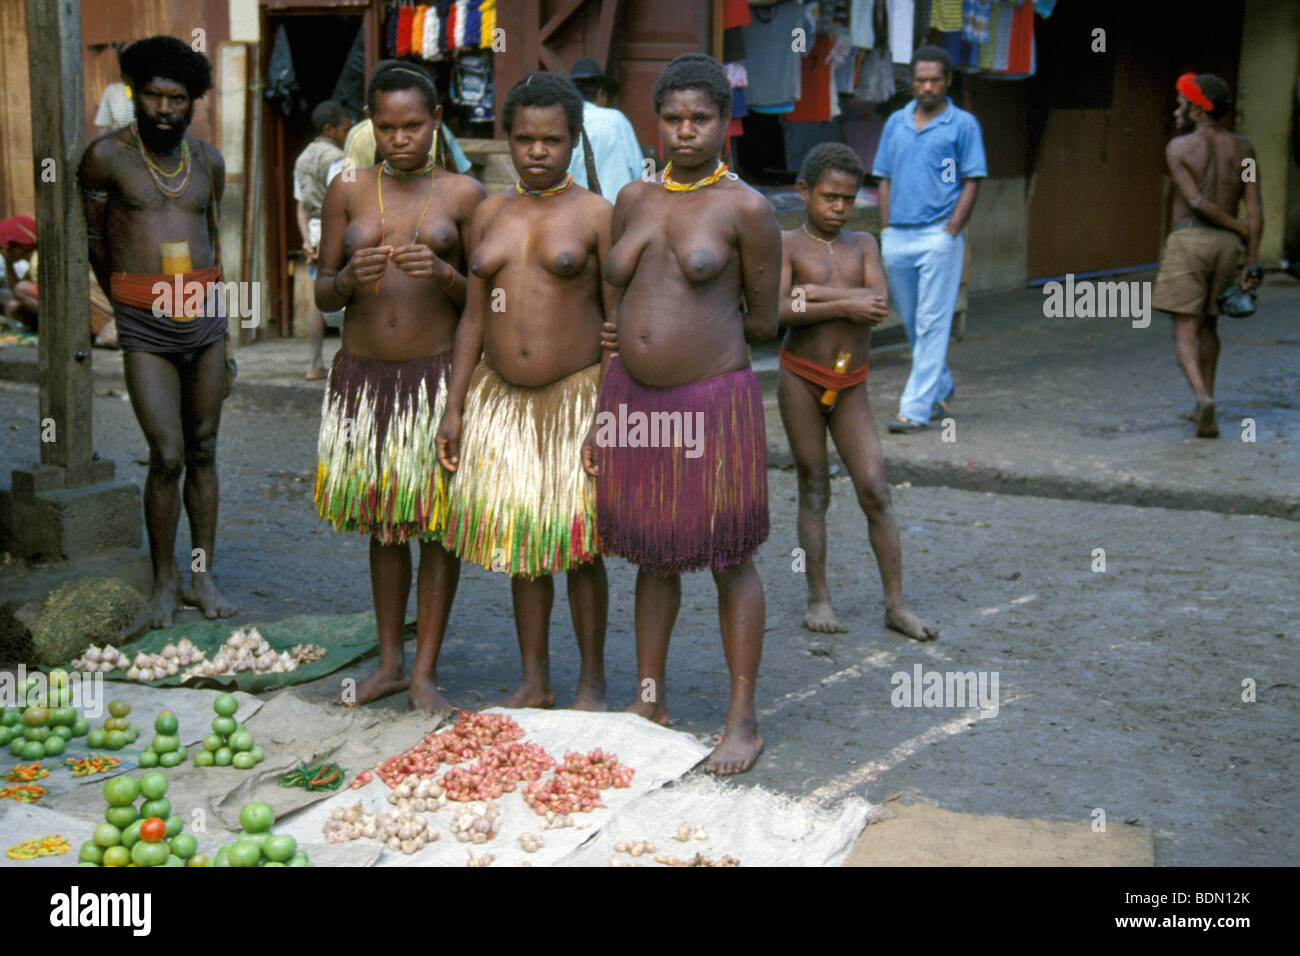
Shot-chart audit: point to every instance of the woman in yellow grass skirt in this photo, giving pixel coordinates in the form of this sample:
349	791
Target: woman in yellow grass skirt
520	501
392	254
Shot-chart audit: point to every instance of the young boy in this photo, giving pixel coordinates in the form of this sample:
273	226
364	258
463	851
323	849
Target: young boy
833	290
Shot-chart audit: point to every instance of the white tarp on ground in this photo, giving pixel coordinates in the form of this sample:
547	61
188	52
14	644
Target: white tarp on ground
756	826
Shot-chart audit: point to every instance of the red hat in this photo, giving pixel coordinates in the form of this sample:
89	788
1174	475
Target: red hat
18	231
1186	85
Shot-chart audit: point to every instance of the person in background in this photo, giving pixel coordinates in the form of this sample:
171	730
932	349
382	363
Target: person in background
359	148
115	108
19	297
1204	251
618	154
930	159
310	179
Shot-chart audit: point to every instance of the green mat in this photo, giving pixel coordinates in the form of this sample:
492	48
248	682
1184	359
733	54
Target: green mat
346	638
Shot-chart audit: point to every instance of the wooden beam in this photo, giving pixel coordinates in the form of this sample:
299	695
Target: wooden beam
551	60
716	30
605	33
567	9
54	71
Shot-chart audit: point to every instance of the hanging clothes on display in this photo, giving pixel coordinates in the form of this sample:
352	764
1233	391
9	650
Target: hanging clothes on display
350	88
281	83
767	42
901	15
1021	54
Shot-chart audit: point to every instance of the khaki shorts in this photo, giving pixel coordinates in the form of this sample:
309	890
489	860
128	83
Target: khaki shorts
1198	264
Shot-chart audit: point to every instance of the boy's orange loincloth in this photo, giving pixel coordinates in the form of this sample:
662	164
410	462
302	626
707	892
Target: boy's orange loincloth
136	289
825	377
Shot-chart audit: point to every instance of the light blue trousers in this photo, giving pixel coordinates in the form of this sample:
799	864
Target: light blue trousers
923	266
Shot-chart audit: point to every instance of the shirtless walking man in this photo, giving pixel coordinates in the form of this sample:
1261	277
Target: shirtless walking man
833	290
1203	254
143	185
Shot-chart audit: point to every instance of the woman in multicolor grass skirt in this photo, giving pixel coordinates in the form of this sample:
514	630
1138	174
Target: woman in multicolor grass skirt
523	389
391	252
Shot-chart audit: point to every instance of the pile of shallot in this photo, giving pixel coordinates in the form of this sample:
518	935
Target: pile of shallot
306	653
476	822
577	783
497	771
104	659
471	735
350	823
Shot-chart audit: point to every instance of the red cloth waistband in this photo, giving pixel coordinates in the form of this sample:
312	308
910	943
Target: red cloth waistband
136	289
825	377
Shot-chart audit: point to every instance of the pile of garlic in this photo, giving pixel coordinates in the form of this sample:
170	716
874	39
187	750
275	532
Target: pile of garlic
419	795
306	653
244	651
634	847
350	823
476	822
404	831
684	833
556	821
103	659
166	663
531	842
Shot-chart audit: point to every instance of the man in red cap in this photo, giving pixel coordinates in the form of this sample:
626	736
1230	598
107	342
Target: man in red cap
18	248
1213	170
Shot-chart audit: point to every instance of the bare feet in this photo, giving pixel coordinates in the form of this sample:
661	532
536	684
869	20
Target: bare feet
737	751
530	695
1206	426
163	603
203	594
424	695
650	711
590	697
1188	416
383	682
315	373
821	618
900	618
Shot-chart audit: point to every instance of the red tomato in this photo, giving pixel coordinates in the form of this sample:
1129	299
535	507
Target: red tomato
153	829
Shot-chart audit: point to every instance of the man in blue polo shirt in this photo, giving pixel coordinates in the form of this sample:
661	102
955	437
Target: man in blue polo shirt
930	156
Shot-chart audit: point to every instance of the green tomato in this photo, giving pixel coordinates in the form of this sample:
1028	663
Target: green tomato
96	739
6	735
161	807
258	754
174	860
225	726
107	835
166	723
149	854
226	705
184	845
204	758
270	863
116	856
64	731
114	740
17	744
36	716
54	745
118	708
300	859
121	791
258	838
279	847
241	740
33	750
213	742
223	757
63	715
121	817
39	734
243	761
148	759
244	853
257	817
153	785
91	852
172	759
131	835
10	716
164	743
132	732
174	825
80	727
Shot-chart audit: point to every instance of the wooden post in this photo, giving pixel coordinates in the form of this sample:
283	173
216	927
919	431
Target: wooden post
54	65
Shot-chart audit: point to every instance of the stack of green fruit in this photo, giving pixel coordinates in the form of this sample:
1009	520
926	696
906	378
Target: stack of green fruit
256	845
146	836
117	731
229	744
44	728
165	749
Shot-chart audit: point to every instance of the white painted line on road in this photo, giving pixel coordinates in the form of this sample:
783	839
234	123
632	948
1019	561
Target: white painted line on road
841	785
1006	607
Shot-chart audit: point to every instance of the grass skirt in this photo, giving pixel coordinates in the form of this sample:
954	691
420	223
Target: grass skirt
520	502
377	468
674	498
